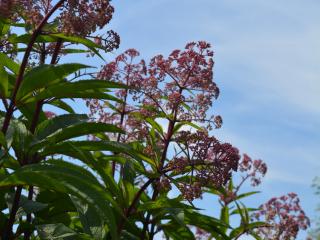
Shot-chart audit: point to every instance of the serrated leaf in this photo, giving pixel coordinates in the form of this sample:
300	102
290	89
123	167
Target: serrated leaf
68	147
155	125
74	131
3	141
80	89
224	216
54	231
79	40
46	75
3	81
9	63
92	224
177	232
62	105
69	180
207	223
25	38
179	125
50	126
243	195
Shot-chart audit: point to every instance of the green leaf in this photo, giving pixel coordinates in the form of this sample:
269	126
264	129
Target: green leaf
92	224
246	194
96	165
161	203
31	206
9	63
69	180
230	185
3	221
125	235
103	84
3	81
155	125
57	123
207	223
68	147
25	38
25	206
9	162
46	75
70	50
79	40
177	214
177	232
28	111
137	165
244	213
247	228
257	225
59	207
3	141
76	130
81	89
224	216
236	211
54	231
4	27
73	169
62	104
179	125
19	137
235	233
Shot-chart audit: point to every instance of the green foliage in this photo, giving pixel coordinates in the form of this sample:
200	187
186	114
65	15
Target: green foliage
58	183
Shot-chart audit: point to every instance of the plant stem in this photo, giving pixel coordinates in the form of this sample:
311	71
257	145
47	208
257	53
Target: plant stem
23	66
168	137
5	103
27	233
123	112
163	157
134	202
9	113
35	119
146	223
7	234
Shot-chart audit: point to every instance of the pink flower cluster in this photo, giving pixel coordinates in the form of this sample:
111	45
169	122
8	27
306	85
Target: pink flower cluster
179	88
255	169
82	17
50	114
180	85
122	70
32	11
209	162
77	17
185	76
7	8
285	217
201	234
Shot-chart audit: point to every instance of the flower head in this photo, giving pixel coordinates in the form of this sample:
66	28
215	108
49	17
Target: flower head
285	216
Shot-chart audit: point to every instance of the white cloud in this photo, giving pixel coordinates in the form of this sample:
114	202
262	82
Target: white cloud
272	44
267	64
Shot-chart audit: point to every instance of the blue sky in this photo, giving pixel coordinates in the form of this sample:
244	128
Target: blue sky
267	56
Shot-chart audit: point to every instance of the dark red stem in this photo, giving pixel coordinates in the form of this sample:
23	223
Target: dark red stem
8	230
15	206
23	66
134	202
33	126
